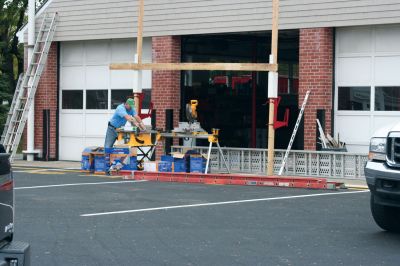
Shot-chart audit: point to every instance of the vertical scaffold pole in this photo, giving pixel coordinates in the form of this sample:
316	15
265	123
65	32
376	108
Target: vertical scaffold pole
273	87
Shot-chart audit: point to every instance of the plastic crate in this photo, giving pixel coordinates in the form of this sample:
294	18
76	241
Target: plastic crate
179	165
87	160
197	165
99	164
165	166
167	158
87	163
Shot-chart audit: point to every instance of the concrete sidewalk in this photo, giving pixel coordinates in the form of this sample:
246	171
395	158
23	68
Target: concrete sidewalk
349	183
50	164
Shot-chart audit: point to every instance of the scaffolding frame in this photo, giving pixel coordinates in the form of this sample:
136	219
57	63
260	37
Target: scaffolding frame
272	68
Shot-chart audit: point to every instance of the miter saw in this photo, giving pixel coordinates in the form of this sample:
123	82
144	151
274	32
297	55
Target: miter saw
192	126
191	111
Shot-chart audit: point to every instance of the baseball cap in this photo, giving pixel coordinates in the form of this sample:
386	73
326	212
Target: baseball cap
131	103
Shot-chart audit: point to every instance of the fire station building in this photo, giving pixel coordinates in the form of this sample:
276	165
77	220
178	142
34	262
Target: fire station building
346	52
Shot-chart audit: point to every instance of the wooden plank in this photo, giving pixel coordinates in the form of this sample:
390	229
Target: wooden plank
275	33
140	32
197	66
274	52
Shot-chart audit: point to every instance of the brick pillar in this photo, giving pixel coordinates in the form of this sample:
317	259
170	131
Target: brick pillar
315	74
166	91
46	98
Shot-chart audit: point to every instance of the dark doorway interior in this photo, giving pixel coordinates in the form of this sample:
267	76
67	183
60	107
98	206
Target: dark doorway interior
233	101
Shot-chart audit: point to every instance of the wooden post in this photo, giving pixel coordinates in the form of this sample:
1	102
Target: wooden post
140	32
139	53
274	52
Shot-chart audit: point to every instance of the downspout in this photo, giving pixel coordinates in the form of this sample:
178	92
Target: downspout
31	115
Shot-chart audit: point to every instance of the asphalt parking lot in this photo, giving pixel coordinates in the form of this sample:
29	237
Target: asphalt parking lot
73	219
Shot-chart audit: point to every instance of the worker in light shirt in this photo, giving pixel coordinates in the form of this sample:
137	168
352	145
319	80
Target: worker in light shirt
124	112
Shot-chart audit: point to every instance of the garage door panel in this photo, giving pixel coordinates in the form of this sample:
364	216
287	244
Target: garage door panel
71	148
123	51
96	124
387	70
388	39
147	50
72	53
354	40
146	82
354	71
346	125
382	120
358	148
97	52
97	77
73	78
72	125
121	79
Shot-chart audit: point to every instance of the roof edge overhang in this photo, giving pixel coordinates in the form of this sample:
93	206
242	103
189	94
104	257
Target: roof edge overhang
39	12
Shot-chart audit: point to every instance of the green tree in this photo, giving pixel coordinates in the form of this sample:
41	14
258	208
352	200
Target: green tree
12	19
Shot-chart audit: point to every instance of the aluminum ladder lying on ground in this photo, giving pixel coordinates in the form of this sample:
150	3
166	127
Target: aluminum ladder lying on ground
25	93
296	127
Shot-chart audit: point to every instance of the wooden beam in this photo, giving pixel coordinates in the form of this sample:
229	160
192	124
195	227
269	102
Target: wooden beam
274	39
139	43
139	52
272	102
197	66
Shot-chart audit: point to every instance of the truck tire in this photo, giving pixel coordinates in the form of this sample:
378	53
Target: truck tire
388	218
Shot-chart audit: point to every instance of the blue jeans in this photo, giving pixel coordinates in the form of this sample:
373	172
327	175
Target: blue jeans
111	136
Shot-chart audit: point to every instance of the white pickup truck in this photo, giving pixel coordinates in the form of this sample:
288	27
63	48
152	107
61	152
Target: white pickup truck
382	172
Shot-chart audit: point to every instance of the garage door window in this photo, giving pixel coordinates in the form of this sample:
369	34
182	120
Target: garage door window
72	99
120	96
354	99
387	99
97	99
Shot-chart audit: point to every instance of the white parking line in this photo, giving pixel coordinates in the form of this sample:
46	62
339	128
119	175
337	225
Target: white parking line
81	184
220	203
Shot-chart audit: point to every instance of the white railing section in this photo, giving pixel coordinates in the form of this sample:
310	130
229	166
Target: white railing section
340	165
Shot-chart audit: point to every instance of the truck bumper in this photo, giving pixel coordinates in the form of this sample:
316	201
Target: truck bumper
15	252
384	183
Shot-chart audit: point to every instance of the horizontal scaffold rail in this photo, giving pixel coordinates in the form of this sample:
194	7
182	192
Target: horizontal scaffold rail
196	66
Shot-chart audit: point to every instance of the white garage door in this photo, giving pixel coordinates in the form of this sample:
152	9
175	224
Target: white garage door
89	91
367	82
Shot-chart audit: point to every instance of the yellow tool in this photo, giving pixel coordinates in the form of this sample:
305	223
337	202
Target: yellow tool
194	104
141	139
191	111
213	138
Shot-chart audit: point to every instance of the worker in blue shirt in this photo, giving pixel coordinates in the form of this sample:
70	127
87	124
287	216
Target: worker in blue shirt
124	112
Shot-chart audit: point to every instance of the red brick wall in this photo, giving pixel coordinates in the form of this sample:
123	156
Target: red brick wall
316	74
46	98
166	91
